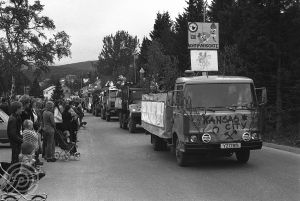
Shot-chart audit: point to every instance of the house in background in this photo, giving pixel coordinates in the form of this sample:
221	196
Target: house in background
48	92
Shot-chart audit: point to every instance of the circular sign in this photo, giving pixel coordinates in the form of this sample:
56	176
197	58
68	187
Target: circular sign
193	27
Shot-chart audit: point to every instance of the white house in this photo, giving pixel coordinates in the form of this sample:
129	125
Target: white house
48	92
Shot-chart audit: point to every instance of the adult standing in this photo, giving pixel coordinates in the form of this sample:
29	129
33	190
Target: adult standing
68	122
27	108
58	110
49	131
14	130
37	117
4	106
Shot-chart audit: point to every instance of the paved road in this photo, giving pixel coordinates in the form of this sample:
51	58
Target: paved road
116	165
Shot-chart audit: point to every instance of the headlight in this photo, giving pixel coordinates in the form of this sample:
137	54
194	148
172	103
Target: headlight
133	110
206	138
255	136
193	138
246	136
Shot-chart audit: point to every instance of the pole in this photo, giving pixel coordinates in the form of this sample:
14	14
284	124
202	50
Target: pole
204	11
134	68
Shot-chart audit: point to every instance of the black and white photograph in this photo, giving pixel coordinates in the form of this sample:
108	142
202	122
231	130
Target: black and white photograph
139	100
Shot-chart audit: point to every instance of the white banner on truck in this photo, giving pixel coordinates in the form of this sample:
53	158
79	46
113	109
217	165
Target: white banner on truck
204	60
153	113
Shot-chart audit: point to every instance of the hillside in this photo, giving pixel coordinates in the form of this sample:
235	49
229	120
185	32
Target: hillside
81	68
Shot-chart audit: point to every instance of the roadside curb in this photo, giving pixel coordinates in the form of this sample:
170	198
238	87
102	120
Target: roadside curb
282	147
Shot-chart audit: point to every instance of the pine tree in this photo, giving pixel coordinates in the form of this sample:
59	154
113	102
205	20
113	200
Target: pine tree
58	93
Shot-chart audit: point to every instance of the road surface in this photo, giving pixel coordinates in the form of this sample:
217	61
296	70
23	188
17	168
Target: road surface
117	165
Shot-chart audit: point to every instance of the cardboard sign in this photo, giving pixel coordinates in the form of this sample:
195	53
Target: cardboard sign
204	60
203	35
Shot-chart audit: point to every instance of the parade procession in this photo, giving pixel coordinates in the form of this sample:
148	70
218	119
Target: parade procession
201	102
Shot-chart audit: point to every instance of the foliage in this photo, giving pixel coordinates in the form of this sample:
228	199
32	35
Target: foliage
24	41
58	93
35	89
117	54
161	68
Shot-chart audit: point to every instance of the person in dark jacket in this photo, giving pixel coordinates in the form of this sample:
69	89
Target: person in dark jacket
5	106
27	108
68	122
14	130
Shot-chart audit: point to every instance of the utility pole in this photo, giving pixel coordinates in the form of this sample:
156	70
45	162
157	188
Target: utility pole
204	12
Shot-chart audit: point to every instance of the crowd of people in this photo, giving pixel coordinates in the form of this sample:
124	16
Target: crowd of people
33	124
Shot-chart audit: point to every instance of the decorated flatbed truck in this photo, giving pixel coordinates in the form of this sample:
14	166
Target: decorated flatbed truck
206	115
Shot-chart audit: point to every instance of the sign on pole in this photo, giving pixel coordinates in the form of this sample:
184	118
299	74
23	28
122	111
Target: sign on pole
204	60
203	35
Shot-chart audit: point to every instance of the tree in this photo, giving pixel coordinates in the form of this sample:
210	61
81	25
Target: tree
163	32
24	41
161	69
35	89
58	93
117	54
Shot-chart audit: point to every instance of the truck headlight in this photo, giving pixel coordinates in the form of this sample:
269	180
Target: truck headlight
255	136
206	138
246	137
193	138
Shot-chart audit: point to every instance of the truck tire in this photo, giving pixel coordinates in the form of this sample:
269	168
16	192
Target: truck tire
181	157
124	121
158	143
102	114
120	120
131	125
107	117
243	156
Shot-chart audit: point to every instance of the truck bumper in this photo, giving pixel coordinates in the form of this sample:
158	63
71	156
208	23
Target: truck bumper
203	148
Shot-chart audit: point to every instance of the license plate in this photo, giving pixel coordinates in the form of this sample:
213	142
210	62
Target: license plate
230	145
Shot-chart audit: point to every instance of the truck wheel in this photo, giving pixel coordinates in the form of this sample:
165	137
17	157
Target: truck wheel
181	157
120	120
131	125
243	155
124	121
102	114
107	117
158	143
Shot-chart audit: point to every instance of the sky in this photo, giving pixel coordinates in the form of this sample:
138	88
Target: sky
87	22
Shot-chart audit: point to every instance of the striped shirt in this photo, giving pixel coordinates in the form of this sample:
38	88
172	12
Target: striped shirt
30	136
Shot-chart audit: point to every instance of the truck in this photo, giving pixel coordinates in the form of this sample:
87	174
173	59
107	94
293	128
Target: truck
128	105
206	115
108	109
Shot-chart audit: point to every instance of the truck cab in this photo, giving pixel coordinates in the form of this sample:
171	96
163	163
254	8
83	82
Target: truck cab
215	114
108	103
129	107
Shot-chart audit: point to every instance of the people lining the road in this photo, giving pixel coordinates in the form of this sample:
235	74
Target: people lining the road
32	125
14	126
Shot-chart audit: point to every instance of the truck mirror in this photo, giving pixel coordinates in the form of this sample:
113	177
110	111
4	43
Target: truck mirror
261	94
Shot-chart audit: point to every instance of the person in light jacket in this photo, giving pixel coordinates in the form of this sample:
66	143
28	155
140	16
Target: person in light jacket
14	130
49	131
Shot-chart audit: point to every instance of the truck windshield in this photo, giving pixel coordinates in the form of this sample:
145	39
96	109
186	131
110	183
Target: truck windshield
226	95
136	95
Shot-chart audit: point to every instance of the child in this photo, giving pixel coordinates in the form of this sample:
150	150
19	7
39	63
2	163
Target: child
30	136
